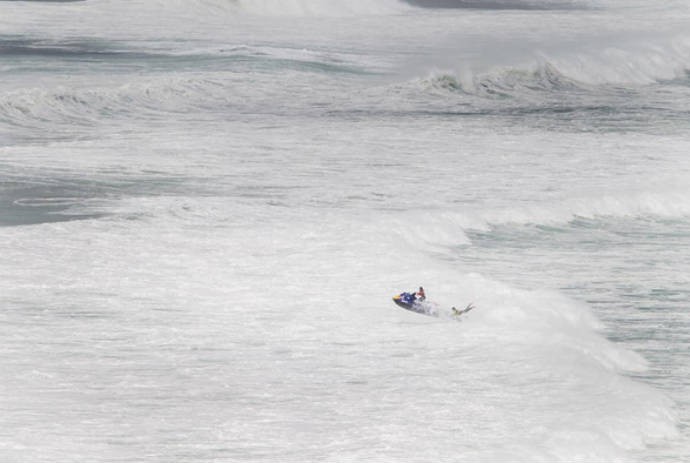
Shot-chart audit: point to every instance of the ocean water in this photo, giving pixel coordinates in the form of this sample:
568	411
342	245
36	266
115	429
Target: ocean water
206	206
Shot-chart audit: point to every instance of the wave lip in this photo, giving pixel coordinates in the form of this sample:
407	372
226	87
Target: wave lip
612	65
506	82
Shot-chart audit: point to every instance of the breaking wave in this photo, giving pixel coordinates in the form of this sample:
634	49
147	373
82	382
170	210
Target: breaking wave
85	107
504	82
663	204
493	68
90	102
546	77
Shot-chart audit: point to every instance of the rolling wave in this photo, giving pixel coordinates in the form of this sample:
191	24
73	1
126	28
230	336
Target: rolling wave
664	62
661	204
207	81
505	82
86	107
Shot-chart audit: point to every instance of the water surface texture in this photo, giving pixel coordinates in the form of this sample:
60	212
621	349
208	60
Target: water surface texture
207	205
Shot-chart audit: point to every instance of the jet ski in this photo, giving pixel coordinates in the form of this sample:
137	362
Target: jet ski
409	301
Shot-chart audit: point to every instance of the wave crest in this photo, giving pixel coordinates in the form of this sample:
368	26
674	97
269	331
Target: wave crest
505	82
564	68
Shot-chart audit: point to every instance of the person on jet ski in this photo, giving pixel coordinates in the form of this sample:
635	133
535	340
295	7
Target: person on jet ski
413	297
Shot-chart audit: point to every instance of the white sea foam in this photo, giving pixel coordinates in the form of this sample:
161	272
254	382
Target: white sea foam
554	388
254	182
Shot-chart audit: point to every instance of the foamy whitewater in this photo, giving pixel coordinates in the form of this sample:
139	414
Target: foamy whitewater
207	205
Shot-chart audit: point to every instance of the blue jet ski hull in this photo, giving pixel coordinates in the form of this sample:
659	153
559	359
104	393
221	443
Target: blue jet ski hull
415	306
